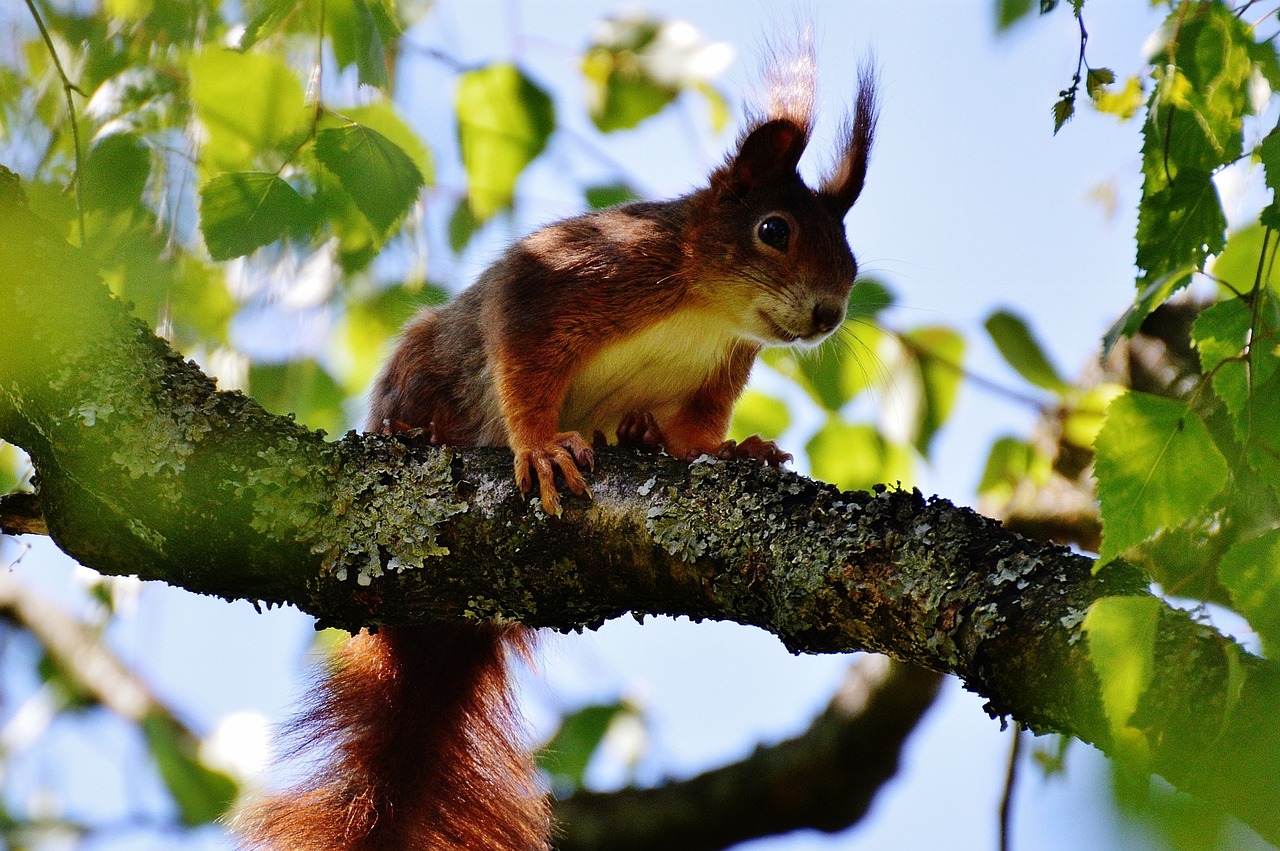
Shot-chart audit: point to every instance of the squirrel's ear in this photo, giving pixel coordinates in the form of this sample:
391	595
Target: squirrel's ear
842	187
770	151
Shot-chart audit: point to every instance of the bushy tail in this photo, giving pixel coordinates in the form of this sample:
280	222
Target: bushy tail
422	751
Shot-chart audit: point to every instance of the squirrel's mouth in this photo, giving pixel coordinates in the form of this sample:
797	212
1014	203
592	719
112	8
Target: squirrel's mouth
780	334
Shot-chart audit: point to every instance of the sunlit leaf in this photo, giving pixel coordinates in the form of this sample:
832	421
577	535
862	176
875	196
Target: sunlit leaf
1220	331
1121	632
1180	225
1241	262
940	357
243	122
380	177
759	413
856	456
244	211
1009	462
504	121
1157	465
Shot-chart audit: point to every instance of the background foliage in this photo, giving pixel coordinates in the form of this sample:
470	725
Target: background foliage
219	159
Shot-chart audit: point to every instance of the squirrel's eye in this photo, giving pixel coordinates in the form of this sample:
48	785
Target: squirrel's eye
775	232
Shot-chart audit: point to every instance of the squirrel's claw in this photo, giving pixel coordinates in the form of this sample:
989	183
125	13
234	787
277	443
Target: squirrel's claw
567	453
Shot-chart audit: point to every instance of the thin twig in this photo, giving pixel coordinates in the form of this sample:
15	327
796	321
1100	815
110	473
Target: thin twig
1010	781
67	88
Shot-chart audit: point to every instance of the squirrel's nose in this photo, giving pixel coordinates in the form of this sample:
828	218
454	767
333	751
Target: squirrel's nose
826	316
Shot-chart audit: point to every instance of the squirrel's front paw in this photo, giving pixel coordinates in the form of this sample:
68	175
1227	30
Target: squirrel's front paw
567	452
753	448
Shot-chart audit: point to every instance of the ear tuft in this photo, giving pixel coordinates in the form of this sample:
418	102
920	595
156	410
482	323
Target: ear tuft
769	151
843	186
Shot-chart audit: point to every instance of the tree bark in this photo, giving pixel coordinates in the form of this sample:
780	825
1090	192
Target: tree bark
145	468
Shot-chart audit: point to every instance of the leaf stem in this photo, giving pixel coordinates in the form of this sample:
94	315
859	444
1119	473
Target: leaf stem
67	88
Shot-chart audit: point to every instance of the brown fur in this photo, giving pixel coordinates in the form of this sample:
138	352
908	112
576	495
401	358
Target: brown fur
649	309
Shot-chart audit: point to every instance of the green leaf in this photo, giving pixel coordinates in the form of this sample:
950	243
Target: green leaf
245	122
1063	109
382	116
609	195
856	456
1156	466
1180	225
1121	632
1009	12
14	467
303	389
380	177
758	413
566	756
462	226
244	211
1019	348
115	172
367	327
1009	462
1152	295
940	357
833	374
1123	103
1252	398
202	794
504	121
367	48
1220	331
867	300
1096	79
1241	260
1250	570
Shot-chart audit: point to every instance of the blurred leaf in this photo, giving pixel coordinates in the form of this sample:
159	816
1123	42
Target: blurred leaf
867	300
462	226
1121	632
245	122
758	413
380	177
856	456
1123	103
201	794
115	173
1251	572
14	467
1087	413
1156	466
504	121
609	195
1096	79
940	357
369	324
1009	462
717	107
356	40
244	211
566	756
1022	352
1009	12
836	372
301	388
1238	263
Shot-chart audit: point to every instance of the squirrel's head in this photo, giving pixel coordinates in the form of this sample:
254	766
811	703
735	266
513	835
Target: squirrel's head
772	247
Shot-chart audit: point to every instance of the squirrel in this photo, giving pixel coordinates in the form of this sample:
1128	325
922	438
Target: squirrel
641	320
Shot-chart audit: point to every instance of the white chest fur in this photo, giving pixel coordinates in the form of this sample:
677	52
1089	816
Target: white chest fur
653	371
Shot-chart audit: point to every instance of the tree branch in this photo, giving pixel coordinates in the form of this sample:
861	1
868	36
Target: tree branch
144	468
825	778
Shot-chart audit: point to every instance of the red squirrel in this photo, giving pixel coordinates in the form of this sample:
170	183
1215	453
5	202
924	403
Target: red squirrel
643	321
